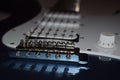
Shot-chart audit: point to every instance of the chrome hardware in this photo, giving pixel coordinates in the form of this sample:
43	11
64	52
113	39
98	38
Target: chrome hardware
68	55
56	47
17	53
27	53
47	54
37	54
57	55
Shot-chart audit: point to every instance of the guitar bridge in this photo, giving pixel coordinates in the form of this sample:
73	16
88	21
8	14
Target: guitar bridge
49	50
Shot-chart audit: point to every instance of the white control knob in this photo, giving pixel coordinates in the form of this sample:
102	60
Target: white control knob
107	40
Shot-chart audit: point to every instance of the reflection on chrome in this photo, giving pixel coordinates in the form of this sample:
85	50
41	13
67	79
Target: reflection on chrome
46	67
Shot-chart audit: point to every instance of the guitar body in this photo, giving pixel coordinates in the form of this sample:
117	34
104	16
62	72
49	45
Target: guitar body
62	42
89	29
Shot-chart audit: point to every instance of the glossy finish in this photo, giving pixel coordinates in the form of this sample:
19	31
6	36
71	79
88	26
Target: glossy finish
23	69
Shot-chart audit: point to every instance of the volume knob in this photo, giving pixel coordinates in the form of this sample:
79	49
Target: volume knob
106	40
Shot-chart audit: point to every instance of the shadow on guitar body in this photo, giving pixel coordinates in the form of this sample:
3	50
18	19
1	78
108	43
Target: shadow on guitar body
21	11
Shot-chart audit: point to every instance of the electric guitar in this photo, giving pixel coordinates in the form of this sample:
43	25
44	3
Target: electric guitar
65	36
61	32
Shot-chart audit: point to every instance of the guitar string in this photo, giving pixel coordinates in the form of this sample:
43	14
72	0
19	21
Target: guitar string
60	21
54	21
42	29
44	26
66	22
42	17
65	31
24	43
29	42
71	21
72	30
52	24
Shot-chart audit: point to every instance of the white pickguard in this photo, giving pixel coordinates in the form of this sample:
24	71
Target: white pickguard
89	32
